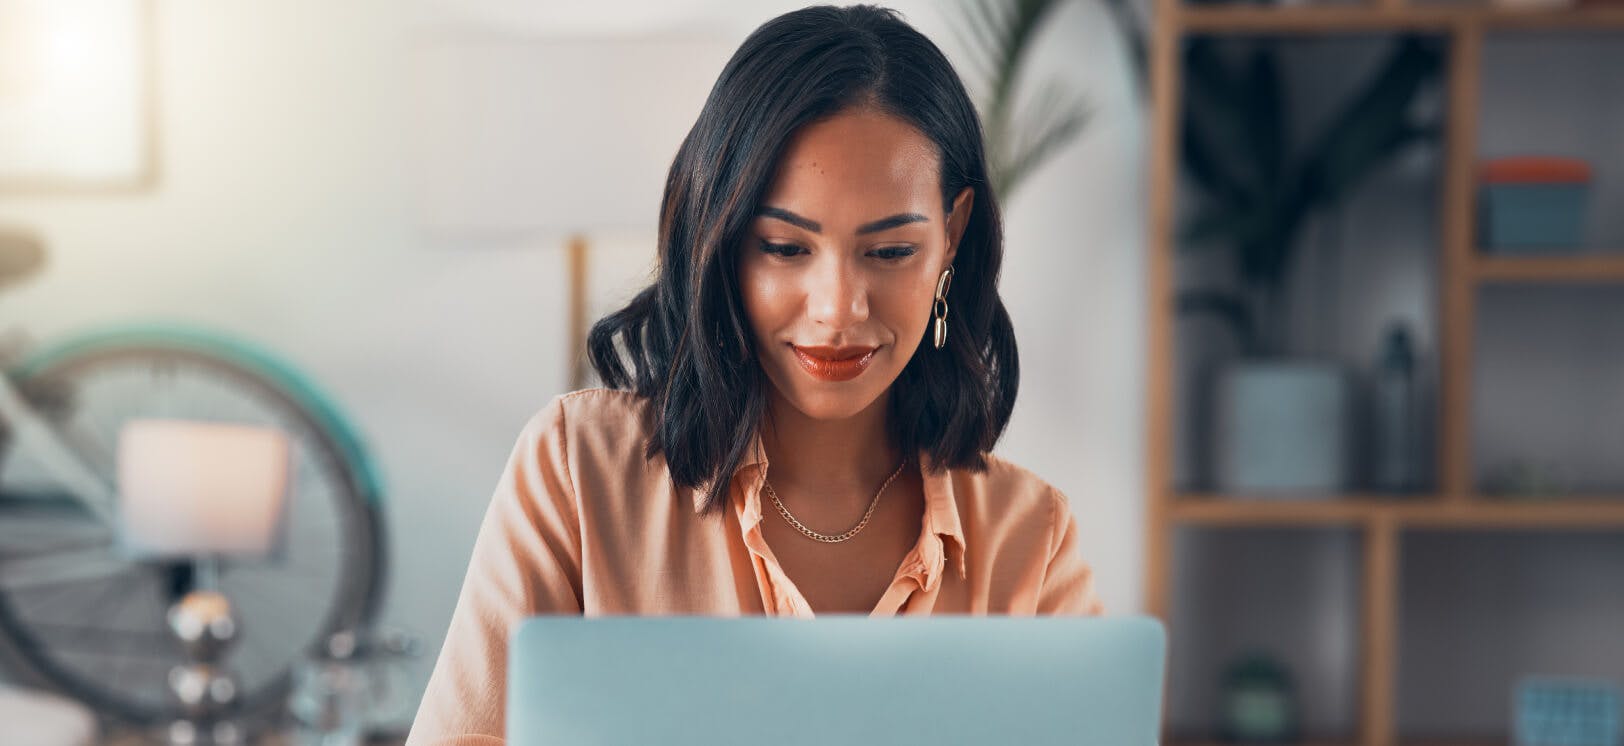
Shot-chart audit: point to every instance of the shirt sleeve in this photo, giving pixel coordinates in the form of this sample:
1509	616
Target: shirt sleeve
1068	582
526	561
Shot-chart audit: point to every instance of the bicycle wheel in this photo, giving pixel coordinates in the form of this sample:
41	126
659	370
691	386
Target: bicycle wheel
84	619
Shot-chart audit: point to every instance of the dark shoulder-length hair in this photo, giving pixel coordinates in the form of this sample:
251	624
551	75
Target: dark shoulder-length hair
685	342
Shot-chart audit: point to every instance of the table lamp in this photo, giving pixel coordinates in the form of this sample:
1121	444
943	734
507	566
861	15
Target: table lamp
202	491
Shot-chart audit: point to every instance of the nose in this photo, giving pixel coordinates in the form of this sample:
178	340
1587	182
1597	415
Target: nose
837	295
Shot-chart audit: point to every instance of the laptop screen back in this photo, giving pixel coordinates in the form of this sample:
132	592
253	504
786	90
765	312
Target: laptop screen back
936	680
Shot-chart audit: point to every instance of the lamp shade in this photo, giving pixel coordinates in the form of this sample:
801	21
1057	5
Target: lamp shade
191	488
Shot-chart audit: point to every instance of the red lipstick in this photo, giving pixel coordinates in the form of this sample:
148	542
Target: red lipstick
834	363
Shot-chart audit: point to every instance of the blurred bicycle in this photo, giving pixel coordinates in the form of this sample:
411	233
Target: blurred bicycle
80	616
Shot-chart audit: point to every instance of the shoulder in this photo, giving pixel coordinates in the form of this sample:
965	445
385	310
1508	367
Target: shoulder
1008	499
605	407
595	426
1010	487
594	414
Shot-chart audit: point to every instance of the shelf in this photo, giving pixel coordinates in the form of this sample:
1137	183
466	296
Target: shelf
1280	592
1198	742
1342	19
1575	268
1599	512
1505	606
1319	511
1592	512
1402	742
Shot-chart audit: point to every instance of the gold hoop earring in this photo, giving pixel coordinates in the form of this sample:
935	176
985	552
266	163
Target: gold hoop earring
939	306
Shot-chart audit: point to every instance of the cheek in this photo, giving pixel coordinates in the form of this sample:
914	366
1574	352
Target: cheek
908	304
763	299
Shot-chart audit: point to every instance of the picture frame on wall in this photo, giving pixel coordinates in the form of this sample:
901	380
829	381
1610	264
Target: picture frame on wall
77	90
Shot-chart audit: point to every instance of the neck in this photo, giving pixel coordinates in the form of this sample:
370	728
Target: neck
850	456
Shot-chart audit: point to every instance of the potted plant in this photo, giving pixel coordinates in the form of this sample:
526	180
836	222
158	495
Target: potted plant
1281	421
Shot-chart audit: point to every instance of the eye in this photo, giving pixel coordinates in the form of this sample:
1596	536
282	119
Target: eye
893	253
781	249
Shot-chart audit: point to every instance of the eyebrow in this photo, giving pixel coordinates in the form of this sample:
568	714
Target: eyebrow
883	224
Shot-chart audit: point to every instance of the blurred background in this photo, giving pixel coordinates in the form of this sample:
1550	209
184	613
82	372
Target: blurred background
1318	302
381	198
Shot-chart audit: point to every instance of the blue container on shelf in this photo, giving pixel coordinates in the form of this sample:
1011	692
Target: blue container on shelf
1562	711
1533	205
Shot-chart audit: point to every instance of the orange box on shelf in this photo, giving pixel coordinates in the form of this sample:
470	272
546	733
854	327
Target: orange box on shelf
1534	170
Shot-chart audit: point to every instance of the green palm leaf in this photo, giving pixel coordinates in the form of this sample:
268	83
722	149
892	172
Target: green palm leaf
997	35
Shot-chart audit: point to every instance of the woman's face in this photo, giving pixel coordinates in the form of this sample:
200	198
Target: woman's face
840	265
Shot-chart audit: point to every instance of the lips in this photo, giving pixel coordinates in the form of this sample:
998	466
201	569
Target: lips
834	363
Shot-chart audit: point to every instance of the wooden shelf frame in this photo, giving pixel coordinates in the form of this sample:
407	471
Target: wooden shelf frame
1389	17
1458	300
1581	513
1464	269
1592	267
1324	742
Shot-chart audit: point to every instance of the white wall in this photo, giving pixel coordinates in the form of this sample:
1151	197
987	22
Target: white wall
284	214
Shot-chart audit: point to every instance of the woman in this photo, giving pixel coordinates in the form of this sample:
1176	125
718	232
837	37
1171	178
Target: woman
802	405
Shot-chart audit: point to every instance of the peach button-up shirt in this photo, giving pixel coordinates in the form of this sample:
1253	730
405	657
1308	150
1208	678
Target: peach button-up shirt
582	523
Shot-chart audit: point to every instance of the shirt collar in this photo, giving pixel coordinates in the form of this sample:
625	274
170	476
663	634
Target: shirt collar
755	457
941	505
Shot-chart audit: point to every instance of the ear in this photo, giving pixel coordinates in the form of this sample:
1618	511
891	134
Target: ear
958	219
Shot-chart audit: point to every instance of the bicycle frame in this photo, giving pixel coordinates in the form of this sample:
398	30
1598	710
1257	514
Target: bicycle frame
29	429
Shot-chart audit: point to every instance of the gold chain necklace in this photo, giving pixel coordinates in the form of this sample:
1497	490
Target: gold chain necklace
837	538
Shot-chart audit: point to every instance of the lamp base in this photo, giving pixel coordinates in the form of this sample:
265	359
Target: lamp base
203	622
184	732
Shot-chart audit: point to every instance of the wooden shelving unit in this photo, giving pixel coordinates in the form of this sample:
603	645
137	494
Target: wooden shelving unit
1380	519
1341	19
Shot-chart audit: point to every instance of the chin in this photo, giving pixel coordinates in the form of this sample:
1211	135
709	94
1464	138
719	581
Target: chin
833	405
828	401
824	400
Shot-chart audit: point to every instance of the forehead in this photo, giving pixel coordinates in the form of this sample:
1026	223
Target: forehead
859	163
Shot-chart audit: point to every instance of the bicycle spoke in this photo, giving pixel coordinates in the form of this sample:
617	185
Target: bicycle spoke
101	641
274	638
64	547
94	619
50	568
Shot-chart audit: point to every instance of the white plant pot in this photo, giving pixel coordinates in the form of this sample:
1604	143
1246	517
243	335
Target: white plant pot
1281	428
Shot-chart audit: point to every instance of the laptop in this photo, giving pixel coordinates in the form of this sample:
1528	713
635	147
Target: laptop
1082	681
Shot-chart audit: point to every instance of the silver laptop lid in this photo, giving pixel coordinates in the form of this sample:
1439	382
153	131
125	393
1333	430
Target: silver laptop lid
851	680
